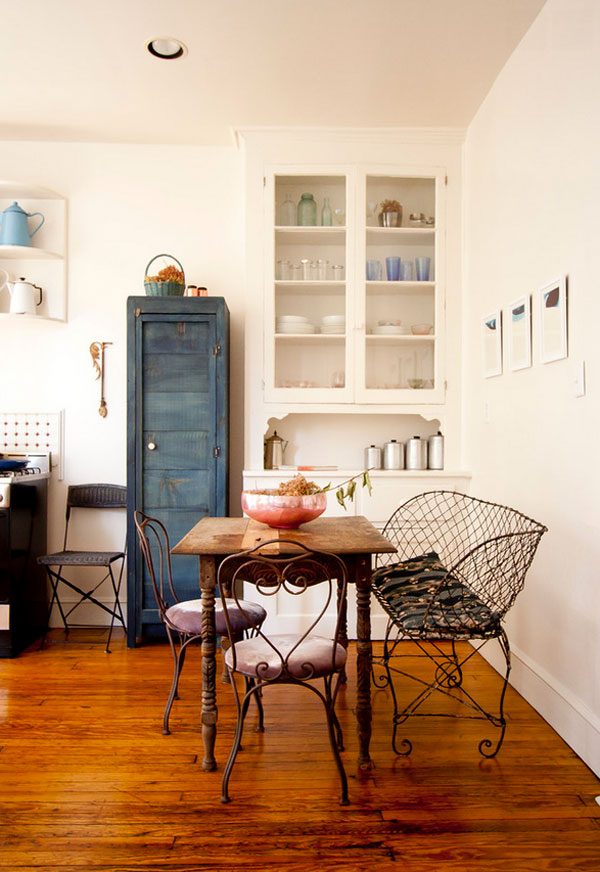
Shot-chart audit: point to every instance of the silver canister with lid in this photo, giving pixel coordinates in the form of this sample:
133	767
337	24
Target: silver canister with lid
416	453
436	451
393	455
373	457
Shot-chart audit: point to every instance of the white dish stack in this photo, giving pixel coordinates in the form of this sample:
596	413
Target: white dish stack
297	324
333	324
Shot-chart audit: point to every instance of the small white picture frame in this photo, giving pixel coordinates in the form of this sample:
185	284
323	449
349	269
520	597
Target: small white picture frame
491	331
552	320
519	333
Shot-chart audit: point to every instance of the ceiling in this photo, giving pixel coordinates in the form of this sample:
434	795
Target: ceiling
78	69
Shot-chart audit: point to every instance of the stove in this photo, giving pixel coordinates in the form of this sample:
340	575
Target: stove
23	526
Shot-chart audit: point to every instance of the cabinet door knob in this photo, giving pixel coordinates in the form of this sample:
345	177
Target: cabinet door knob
151	446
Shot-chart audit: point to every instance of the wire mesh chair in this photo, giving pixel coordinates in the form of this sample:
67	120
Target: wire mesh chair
88	496
182	619
291	659
462	564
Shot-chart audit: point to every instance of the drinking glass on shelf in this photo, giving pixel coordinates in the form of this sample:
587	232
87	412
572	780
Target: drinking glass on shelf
392	268
406	271
283	270
338	379
322	265
305	266
337	271
296	272
422	265
314	270
374	271
339	216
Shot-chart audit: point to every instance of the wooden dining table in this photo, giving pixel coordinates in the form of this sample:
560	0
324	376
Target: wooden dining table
354	539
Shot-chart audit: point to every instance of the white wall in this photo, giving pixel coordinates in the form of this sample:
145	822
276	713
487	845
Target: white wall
532	185
125	204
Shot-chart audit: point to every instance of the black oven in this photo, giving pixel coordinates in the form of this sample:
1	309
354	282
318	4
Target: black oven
23	587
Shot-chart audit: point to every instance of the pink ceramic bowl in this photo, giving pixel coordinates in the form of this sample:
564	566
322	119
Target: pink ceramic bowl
283	513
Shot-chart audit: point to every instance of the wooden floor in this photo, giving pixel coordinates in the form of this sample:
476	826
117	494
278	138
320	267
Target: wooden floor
88	781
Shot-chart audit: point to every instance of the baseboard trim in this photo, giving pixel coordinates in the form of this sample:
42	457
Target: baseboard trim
574	722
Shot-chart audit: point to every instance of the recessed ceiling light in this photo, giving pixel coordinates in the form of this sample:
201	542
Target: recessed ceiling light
166	48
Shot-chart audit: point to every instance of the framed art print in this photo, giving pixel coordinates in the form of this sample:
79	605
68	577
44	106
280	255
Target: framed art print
519	333
492	344
552	320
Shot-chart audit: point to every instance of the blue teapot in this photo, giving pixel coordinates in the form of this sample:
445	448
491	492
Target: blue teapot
14	229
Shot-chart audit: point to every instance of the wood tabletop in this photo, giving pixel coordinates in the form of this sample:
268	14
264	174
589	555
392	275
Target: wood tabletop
221	536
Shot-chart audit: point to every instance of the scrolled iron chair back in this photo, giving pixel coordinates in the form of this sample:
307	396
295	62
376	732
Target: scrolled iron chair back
294	574
153	537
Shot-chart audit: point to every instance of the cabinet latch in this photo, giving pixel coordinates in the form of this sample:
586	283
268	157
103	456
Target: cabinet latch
216	349
137	312
216	451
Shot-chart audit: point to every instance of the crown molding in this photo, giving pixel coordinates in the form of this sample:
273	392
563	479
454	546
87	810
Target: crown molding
400	135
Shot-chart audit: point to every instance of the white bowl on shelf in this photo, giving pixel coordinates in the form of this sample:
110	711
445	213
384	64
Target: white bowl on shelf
333	329
293	319
421	329
390	330
333	320
295	328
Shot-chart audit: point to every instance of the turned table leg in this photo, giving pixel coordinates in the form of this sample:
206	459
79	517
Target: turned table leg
209	663
362	578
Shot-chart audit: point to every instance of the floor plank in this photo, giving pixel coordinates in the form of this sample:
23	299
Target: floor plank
89	781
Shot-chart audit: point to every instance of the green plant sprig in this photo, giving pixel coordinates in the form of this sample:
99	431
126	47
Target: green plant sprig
347	489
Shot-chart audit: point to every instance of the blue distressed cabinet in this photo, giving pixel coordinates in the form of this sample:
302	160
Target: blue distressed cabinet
177	432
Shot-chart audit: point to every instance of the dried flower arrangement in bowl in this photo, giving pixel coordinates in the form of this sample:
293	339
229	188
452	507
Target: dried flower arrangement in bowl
390	214
168	282
297	501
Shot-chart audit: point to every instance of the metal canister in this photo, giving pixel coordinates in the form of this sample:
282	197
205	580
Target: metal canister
393	455
436	451
416	453
373	457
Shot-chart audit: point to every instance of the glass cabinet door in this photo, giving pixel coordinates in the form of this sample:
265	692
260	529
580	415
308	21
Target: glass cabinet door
309	309
399	290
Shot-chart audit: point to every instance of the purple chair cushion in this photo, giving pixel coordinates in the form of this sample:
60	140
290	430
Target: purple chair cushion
310	658
187	616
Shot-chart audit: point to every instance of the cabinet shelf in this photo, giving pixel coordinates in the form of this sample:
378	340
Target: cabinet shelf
401	287
311	235
309	288
27	252
412	235
373	338
310	337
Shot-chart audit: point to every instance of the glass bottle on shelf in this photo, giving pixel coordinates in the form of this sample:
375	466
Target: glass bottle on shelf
326	214
287	213
307	211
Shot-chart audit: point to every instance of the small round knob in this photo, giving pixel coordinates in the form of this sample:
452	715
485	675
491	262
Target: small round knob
151	446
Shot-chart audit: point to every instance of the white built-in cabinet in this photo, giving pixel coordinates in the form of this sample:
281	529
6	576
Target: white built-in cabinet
43	263
331	335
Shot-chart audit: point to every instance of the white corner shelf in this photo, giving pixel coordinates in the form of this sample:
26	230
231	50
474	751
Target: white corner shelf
44	262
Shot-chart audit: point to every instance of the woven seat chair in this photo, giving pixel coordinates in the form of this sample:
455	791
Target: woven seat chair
462	564
299	660
88	496
182	619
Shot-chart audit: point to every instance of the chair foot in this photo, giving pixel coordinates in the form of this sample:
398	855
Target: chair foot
225	800
166	732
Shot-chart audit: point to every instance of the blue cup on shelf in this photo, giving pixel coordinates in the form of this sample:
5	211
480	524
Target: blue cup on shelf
422	267
374	270
392	268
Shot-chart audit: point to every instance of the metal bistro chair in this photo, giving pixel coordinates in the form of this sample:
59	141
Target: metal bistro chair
299	659
182	619
462	563
88	496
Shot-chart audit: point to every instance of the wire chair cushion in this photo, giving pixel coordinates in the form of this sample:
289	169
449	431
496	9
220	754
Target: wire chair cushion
282	657
186	616
422	597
